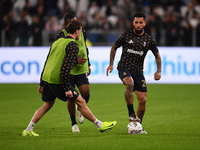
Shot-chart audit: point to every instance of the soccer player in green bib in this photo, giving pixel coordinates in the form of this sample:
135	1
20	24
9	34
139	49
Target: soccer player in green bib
78	74
55	78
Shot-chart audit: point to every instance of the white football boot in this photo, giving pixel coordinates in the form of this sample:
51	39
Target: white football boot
134	119
79	115
143	132
75	128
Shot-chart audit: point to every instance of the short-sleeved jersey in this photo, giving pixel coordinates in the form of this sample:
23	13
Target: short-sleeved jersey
134	50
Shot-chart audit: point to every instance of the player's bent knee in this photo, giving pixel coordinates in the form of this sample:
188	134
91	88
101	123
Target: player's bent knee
48	105
129	86
142	101
86	97
80	101
85	93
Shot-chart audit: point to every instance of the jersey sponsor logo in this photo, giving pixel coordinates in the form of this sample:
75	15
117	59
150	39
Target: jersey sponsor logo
135	52
130	41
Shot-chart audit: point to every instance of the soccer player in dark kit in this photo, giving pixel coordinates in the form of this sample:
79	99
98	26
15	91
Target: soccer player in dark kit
135	45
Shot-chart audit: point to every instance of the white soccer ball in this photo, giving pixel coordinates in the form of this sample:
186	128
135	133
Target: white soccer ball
134	128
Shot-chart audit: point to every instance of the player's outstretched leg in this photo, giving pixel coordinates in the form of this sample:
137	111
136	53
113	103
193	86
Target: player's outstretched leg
85	93
85	111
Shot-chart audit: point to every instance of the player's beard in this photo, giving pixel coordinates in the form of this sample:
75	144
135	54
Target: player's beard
139	31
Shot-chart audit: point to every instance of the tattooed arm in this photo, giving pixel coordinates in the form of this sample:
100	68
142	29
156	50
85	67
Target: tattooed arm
112	57
157	74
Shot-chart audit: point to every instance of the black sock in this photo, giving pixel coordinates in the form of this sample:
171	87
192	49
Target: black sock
73	119
131	111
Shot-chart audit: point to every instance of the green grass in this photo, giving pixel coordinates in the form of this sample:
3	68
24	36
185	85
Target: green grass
172	119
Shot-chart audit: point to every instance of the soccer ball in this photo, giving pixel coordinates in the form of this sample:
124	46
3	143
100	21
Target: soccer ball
134	128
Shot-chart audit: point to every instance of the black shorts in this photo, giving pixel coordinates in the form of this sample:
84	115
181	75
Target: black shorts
52	91
139	80
78	80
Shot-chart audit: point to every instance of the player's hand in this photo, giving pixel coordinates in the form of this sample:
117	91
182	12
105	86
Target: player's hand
157	75
109	69
69	94
88	73
81	60
40	89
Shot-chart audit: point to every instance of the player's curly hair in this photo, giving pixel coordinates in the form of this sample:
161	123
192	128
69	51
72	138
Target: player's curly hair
68	17
139	14
73	26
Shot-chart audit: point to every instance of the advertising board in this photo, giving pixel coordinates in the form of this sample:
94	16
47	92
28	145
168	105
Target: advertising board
179	65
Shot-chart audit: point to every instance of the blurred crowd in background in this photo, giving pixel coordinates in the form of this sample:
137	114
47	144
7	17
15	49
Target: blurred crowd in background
36	22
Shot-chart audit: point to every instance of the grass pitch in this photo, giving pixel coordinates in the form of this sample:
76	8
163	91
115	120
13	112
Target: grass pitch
172	119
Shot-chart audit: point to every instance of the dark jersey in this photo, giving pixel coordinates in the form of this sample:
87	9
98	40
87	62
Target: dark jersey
134	50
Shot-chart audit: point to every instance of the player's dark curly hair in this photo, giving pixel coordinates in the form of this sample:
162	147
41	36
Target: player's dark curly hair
73	26
139	14
68	17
